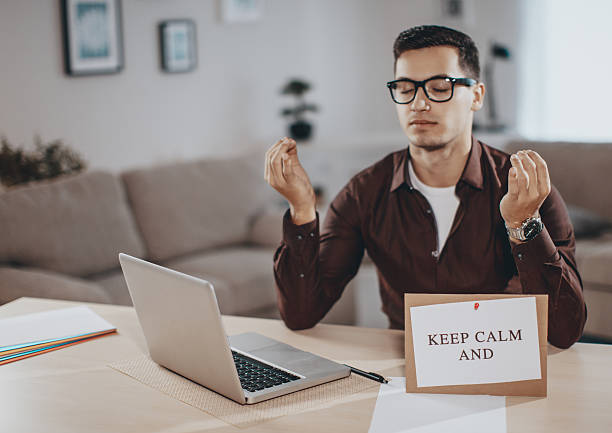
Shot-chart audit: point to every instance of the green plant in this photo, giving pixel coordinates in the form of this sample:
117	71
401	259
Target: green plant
297	88
46	161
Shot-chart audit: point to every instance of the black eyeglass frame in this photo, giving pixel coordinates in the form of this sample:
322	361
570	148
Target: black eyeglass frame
461	81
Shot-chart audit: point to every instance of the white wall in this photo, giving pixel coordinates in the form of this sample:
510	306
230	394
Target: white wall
566	93
231	103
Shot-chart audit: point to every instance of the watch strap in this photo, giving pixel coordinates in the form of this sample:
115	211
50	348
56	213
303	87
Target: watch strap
516	233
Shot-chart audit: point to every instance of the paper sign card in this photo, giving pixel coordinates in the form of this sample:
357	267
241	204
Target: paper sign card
476	342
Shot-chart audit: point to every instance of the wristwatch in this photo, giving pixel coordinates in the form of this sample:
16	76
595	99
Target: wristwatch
528	230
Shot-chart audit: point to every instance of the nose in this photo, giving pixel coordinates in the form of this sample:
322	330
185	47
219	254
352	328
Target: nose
420	101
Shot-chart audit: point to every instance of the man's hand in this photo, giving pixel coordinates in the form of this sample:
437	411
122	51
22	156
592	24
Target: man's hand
528	187
285	174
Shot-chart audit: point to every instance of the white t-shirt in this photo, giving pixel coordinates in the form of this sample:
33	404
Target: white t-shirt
443	202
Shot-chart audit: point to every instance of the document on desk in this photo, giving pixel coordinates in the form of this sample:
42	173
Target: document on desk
399	412
36	333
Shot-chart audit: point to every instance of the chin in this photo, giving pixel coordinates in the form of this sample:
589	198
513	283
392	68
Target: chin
429	143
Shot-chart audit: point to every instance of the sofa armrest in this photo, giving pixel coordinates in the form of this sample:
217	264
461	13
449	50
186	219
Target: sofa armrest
33	282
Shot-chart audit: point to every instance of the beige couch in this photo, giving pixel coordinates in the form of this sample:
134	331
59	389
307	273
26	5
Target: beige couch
582	172
216	219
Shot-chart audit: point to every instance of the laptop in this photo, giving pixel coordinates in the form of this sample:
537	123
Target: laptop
180	318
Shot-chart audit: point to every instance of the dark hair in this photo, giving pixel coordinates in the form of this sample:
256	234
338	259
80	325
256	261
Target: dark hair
436	36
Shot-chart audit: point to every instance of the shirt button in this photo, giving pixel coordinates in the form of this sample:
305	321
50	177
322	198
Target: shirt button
428	211
312	235
301	275
520	256
299	237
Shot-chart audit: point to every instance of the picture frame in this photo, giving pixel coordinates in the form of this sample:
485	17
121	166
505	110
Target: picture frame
241	11
92	36
178	47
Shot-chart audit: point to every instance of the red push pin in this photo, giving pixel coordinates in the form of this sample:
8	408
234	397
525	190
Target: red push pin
476	305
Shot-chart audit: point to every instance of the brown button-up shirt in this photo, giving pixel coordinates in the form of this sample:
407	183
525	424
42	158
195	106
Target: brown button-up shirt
380	211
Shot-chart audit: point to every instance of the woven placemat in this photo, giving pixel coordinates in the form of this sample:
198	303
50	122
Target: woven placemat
148	372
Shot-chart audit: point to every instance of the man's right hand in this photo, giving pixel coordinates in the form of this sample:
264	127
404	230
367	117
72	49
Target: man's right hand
285	174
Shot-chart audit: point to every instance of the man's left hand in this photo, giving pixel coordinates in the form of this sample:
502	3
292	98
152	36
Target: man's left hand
528	187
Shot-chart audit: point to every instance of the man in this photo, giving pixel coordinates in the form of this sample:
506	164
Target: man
446	215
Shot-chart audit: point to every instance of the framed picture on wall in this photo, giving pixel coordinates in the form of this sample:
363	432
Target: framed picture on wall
92	36
240	11
177	40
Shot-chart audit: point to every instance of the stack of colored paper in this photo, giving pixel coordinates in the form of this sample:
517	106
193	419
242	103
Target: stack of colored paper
38	333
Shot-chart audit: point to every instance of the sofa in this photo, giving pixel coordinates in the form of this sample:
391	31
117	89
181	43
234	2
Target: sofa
212	218
218	219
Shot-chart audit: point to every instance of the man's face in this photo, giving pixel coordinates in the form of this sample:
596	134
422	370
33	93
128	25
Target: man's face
433	125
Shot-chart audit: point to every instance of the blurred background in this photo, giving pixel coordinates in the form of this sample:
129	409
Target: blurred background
322	62
552	84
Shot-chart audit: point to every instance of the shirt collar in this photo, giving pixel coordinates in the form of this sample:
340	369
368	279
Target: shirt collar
472	173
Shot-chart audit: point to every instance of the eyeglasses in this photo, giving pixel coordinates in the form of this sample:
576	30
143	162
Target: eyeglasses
437	89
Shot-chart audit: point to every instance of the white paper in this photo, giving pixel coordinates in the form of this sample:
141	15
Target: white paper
397	412
444	355
50	325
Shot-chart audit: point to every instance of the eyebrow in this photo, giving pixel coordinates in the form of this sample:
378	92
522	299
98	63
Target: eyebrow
435	76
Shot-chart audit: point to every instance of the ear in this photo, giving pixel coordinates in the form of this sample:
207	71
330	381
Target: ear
478	92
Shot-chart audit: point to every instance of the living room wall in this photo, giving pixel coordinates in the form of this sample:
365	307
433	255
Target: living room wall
231	102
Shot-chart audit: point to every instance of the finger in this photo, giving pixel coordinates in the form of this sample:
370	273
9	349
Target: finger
288	171
286	145
267	158
543	175
532	175
275	146
291	147
512	183
522	179
292	152
276	167
286	150
270	158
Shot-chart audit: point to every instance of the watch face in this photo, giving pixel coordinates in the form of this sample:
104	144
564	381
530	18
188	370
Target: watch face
532	229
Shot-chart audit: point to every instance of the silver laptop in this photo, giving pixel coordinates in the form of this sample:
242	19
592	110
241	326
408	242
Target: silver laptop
182	325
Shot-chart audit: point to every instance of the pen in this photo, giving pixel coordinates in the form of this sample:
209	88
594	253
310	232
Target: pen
369	375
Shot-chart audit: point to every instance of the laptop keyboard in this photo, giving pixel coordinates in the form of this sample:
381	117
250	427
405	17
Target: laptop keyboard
255	375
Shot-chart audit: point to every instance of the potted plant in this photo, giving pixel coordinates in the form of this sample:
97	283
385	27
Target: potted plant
46	161
299	127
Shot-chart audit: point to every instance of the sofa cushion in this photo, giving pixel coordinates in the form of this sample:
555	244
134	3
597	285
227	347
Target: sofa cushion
113	283
242	277
266	229
594	258
75	225
18	282
586	223
598	300
193	206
